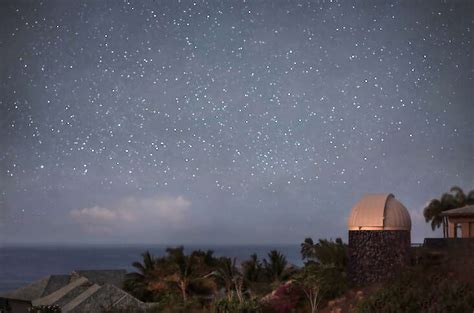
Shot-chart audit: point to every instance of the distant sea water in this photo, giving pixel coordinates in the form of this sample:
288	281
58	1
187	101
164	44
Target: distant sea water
20	265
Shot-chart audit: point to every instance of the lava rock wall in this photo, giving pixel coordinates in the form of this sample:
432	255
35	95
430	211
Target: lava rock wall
377	255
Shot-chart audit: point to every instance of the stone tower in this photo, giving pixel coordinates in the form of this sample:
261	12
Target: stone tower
379	238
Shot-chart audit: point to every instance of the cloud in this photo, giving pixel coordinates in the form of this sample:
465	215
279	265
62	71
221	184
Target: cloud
134	214
95	213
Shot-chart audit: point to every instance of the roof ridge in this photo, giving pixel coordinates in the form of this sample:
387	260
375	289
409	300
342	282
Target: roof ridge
467	209
52	280
80	298
124	296
61	292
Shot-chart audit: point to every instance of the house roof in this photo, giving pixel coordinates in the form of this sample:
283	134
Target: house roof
465	210
39	288
60	293
379	212
55	282
80	299
82	291
98	297
101	277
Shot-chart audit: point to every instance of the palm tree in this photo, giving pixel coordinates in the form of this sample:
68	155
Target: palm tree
176	270
207	258
308	249
148	264
455	198
229	275
325	252
276	268
186	272
181	270
470	198
138	283
252	269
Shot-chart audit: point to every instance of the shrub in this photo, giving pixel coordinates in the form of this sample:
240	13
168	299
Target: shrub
172	303
234	306
45	309
419	290
284	299
334	282
319	282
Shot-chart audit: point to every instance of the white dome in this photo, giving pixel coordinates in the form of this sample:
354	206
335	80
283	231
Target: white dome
379	212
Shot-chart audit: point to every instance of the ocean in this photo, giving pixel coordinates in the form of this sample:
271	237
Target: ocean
20	265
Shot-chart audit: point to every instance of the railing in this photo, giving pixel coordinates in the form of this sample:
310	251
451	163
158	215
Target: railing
441	243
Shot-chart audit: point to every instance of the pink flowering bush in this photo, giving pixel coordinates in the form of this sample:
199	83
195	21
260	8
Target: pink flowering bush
285	298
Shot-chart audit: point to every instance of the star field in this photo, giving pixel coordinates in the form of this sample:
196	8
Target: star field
259	121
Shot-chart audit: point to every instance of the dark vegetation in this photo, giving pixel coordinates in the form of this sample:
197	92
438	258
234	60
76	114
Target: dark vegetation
201	282
45	309
421	289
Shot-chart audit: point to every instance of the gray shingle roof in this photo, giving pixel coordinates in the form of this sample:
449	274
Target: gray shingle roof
60	293
102	277
465	210
39	288
29	292
102	298
82	291
55	282
80	299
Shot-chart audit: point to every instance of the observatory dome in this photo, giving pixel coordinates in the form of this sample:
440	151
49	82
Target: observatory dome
379	212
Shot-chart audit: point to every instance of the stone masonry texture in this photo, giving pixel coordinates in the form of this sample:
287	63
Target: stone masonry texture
377	255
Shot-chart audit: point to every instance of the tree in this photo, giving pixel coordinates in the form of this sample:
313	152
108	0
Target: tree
324	270
455	198
252	269
231	278
173	275
308	279
276	268
207	258
320	282
325	252
139	283
181	270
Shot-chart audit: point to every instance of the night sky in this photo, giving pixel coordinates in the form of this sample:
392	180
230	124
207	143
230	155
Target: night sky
227	122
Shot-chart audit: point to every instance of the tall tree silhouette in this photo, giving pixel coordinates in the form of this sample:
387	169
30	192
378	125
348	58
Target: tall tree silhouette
139	282
276	267
455	198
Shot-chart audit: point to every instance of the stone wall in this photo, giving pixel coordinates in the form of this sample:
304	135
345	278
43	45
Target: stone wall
377	255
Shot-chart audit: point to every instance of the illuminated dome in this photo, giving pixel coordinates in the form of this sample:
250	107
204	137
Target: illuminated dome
379	212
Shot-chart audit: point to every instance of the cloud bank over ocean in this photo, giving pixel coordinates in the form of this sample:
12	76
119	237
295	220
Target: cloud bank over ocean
133	215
